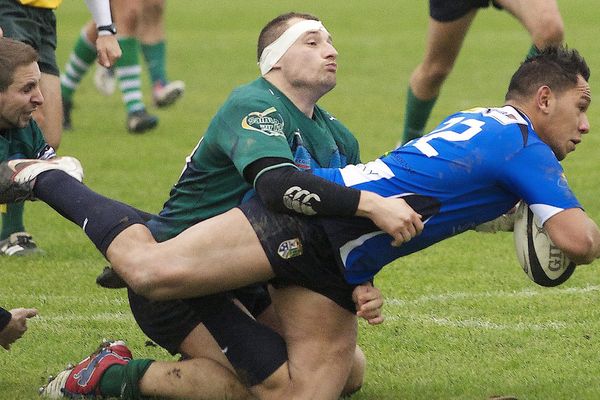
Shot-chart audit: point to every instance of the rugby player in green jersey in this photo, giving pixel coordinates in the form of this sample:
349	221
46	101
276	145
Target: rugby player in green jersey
20	96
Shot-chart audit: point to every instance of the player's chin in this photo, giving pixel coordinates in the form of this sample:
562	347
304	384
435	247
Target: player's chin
327	85
24	121
330	82
561	154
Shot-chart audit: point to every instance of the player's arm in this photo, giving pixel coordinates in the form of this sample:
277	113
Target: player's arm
536	176
576	234
284	188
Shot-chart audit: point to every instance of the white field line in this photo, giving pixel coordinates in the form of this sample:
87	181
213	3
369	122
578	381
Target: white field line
99	317
67	299
392	312
481	323
456	296
397	314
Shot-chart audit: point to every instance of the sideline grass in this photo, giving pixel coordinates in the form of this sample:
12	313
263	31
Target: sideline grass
464	321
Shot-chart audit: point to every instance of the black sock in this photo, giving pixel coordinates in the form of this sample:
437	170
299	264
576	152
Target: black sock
101	218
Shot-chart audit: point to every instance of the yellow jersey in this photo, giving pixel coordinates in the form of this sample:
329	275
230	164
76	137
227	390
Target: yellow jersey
41	3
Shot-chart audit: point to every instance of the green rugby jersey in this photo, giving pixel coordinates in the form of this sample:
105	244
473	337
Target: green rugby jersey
25	142
256	121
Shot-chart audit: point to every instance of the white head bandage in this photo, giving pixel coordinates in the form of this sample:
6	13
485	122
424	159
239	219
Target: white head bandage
273	52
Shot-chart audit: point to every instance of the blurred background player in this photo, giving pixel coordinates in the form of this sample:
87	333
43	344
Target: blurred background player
449	22
35	24
140	27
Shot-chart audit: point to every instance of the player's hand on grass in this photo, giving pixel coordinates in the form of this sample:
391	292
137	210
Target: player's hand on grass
369	303
16	326
392	215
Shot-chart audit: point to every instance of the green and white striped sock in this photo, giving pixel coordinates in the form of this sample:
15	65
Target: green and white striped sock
128	72
80	60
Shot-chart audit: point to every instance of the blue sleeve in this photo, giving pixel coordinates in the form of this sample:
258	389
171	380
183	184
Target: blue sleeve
537	177
330	174
5	318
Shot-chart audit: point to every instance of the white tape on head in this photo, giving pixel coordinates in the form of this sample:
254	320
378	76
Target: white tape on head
273	52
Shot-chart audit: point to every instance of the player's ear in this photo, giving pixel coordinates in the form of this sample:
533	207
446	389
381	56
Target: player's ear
543	98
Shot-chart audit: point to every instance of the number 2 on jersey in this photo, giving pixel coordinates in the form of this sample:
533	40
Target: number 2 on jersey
444	132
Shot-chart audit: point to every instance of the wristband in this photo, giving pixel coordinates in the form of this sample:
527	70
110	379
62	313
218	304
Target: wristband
111	29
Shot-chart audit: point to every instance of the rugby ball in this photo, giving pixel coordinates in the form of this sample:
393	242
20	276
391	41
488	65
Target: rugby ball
542	261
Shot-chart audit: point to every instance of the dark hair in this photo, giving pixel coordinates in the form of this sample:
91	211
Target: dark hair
556	67
275	28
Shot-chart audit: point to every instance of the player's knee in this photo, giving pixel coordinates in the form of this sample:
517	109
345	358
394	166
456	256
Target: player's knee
142	277
275	386
139	280
154	9
357	373
433	75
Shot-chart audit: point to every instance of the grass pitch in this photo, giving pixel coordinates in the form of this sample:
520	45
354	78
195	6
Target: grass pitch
463	322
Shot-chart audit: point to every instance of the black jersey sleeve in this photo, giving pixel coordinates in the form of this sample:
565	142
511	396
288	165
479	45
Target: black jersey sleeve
284	188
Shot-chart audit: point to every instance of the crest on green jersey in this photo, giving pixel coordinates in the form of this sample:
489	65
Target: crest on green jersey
268	122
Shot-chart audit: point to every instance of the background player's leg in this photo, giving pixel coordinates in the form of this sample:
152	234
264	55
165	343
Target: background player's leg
151	34
444	40
49	114
81	58
542	20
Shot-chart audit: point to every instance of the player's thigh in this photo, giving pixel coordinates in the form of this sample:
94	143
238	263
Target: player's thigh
321	341
445	39
215	255
50	119
541	18
127	14
151	28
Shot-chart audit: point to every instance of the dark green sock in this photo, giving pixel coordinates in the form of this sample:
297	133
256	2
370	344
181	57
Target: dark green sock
155	56
12	220
416	116
533	51
122	380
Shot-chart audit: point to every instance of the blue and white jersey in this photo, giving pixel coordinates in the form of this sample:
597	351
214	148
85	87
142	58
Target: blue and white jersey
472	168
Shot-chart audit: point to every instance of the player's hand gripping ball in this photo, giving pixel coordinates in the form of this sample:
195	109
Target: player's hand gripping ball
542	261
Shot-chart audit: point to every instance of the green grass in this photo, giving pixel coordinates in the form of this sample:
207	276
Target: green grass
463	322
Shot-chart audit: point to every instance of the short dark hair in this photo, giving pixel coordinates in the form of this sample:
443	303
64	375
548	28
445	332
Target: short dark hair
274	28
13	54
556	67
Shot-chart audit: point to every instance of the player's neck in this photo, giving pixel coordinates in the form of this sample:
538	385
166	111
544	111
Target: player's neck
523	109
303	98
